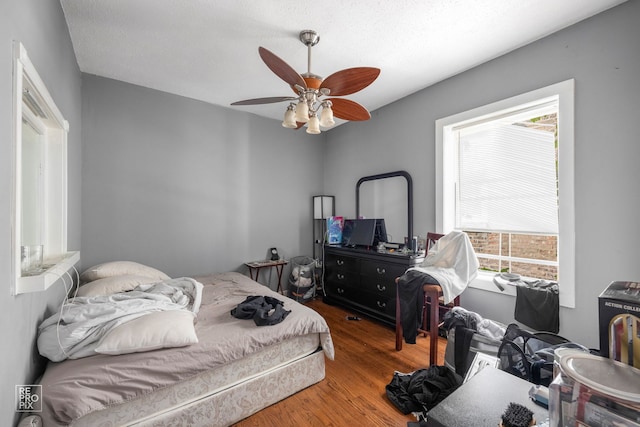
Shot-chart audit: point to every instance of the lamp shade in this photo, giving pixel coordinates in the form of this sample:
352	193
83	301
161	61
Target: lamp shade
290	117
326	117
323	207
302	112
313	125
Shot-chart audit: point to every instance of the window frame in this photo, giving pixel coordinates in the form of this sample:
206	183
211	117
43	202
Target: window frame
446	154
54	129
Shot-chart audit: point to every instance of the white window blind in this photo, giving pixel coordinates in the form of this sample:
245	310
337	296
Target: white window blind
506	179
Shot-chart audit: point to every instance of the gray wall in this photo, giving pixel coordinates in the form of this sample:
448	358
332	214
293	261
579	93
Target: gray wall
41	27
602	55
188	187
193	188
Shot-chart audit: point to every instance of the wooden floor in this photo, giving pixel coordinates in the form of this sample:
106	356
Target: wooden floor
353	391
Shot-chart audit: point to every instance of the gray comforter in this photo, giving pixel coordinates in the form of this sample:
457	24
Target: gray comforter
76	330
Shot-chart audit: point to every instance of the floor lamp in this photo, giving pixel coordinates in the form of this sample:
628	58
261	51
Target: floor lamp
323	208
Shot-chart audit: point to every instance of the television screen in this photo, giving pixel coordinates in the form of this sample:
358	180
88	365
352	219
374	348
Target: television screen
380	234
347	228
359	232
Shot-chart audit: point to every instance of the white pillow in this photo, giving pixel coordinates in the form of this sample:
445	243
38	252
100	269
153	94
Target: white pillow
113	285
121	268
160	329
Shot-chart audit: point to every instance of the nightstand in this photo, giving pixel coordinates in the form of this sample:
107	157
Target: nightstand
256	266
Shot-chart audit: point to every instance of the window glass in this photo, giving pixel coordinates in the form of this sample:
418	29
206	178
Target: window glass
507	181
31	191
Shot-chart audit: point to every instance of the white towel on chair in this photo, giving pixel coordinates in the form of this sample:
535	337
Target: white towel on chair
452	262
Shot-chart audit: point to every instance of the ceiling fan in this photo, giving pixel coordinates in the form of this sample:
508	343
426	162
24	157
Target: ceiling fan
311	88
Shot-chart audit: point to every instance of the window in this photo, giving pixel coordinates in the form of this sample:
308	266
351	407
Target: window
39	225
505	176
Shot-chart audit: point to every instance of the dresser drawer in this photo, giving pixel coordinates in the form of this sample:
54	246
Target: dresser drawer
340	290
384	304
342	263
378	286
341	277
382	270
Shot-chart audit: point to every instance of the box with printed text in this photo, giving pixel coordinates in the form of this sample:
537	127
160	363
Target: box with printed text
619	318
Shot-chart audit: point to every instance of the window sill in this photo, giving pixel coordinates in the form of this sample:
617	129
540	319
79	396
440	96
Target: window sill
484	281
52	274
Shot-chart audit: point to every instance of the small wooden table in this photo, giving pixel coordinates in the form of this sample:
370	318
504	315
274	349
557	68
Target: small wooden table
257	265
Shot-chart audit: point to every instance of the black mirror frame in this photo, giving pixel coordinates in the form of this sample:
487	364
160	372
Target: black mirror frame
409	195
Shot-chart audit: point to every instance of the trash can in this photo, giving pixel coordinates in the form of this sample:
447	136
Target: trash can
302	286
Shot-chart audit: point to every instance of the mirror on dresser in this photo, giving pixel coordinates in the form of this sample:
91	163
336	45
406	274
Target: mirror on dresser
388	196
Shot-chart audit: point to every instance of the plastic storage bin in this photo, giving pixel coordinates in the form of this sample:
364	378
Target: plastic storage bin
590	390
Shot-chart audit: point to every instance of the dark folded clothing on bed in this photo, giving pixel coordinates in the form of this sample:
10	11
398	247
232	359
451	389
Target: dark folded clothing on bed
263	310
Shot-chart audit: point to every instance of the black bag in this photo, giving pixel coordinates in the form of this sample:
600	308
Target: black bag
462	346
421	390
464	341
530	355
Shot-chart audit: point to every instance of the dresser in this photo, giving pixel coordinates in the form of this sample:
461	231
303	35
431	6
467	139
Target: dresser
364	280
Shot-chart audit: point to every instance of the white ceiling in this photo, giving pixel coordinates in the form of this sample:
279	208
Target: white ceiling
208	49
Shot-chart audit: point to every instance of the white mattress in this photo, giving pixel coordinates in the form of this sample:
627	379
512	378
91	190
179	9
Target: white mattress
162	402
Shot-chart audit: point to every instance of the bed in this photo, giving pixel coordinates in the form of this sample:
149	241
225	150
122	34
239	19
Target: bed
233	370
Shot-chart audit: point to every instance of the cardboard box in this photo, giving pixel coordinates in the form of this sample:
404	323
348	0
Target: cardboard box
619	313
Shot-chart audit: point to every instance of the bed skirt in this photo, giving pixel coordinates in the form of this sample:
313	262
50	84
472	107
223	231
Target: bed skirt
222	406
242	400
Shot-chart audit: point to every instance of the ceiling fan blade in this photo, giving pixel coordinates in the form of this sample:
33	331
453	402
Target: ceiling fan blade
348	110
281	68
269	100
351	80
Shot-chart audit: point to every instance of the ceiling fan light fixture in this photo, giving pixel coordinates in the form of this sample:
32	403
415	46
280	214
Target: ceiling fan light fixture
313	126
326	116
302	111
307	107
290	117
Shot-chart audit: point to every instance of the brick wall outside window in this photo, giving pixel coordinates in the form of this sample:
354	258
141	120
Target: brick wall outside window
536	247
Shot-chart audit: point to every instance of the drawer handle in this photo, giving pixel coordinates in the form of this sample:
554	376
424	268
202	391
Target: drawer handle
340	291
340	276
381	288
339	262
381	304
380	270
